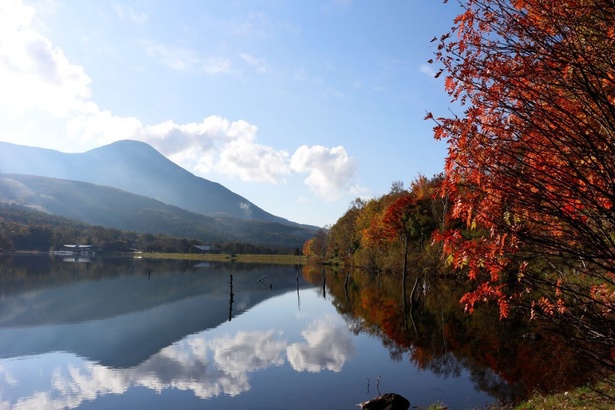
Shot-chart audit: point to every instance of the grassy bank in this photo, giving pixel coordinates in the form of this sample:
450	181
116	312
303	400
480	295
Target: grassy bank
247	258
600	397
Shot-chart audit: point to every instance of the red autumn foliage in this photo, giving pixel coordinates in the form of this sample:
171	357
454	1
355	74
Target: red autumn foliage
531	160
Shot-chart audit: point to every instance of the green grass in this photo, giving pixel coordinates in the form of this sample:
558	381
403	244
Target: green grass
599	397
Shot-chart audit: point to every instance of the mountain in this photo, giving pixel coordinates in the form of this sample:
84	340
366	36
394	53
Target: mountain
138	168
114	208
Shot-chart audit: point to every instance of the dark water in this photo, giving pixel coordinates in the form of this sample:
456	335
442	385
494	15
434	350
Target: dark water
134	333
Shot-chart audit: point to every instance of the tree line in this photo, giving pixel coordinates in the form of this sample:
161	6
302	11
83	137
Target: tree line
26	230
379	234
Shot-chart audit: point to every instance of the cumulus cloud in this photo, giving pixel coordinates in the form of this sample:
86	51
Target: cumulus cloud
253	162
217	144
34	73
44	94
330	170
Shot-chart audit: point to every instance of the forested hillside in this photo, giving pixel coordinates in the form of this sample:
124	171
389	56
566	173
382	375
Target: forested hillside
114	208
24	229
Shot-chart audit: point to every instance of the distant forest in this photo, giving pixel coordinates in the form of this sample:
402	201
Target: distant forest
23	229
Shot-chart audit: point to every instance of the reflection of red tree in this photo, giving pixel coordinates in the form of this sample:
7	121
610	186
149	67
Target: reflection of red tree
312	273
382	311
444	333
421	356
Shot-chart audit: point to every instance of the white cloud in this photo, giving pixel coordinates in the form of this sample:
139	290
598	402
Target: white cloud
330	170
217	144
183	59
46	101
258	63
33	73
245	207
427	69
125	12
253	162
92	126
256	24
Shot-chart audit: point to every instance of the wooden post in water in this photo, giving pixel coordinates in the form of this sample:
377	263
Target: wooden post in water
231	298
324	283
297	280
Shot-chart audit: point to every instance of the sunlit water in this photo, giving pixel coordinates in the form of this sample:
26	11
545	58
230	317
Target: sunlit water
153	335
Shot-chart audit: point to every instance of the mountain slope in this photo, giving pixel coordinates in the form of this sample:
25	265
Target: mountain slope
138	168
113	208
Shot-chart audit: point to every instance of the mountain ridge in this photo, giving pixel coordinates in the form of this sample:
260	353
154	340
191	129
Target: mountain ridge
136	167
113	208
131	186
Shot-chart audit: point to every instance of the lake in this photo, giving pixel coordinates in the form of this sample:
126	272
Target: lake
102	333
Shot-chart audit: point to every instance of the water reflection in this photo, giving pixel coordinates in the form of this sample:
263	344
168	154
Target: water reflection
140	316
207	367
118	332
326	347
435	334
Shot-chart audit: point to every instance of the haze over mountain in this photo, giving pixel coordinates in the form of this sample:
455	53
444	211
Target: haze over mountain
138	168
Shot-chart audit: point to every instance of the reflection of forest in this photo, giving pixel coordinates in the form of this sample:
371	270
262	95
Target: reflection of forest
30	272
508	359
143	305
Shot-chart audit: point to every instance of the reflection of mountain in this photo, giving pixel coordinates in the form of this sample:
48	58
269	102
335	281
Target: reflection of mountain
123	320
207	366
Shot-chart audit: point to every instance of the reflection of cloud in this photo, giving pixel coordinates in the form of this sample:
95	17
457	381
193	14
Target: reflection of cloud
220	366
327	347
247	352
208	368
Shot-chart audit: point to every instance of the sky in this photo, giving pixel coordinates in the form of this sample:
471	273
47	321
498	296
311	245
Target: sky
300	106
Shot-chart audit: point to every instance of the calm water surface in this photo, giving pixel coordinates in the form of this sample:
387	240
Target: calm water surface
106	333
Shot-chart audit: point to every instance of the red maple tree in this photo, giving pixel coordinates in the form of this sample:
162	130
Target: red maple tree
531	160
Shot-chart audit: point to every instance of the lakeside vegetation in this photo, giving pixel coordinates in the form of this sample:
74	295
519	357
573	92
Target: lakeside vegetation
597	397
524	210
24	229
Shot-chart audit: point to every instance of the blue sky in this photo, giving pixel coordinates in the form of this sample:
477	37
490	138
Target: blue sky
298	105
